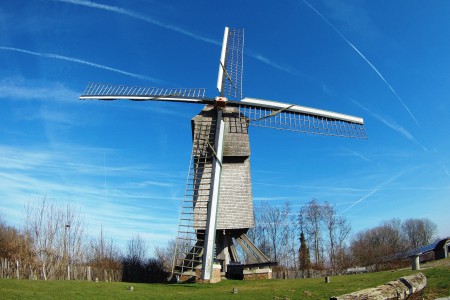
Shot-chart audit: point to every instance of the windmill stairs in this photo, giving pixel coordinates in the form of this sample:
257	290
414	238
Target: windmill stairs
191	229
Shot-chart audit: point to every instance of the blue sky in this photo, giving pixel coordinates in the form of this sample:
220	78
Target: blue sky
125	163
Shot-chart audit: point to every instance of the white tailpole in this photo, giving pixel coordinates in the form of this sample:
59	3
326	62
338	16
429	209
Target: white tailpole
211	220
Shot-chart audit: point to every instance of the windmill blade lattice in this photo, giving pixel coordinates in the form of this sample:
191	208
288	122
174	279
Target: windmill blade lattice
104	91
300	122
232	64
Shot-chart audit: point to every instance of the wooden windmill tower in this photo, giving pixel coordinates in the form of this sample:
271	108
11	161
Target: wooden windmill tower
217	210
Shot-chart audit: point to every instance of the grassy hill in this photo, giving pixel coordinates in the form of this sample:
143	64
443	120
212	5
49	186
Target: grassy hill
437	273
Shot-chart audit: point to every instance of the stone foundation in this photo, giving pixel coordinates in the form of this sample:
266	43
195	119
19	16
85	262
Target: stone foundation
196	275
257	273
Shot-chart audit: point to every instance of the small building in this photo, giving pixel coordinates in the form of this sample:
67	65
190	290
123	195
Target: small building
437	250
442	249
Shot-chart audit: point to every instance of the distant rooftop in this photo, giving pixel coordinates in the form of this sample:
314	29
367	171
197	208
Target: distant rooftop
428	248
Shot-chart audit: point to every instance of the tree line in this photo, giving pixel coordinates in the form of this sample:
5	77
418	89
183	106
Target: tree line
53	241
316	237
313	238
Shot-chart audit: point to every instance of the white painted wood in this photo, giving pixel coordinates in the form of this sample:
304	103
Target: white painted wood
211	221
142	98
304	109
222	62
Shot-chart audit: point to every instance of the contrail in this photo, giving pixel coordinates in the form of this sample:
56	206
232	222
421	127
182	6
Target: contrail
375	190
365	59
141	17
80	61
267	61
391	124
138	16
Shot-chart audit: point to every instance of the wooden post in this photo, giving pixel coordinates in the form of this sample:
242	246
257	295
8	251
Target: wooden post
43	271
17	269
88	273
68	272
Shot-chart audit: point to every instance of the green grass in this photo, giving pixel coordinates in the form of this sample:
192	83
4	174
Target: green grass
438	286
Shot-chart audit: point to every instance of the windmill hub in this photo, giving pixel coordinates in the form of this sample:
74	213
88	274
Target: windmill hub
221	102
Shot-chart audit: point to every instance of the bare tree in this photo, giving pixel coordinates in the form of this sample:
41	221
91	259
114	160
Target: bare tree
378	245
341	252
14	245
275	223
57	235
135	260
338	230
394	236
419	232
103	253
258	234
312	217
165	255
74	239
137	250
331	221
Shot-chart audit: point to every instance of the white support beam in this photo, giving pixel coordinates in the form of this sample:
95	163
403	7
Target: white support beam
211	220
223	54
143	98
304	110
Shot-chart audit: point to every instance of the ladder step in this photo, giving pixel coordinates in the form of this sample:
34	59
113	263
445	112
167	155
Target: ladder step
188	239
196	199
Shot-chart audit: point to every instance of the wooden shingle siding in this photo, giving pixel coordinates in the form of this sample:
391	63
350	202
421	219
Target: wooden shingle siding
235	210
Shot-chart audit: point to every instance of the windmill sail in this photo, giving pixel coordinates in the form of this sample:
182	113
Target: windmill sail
229	81
103	91
277	115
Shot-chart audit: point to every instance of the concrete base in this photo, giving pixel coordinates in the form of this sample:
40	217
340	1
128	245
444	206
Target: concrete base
257	273
249	272
195	276
415	262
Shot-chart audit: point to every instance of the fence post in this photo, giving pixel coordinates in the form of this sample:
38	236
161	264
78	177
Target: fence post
17	269
88	273
68	272
43	271
3	268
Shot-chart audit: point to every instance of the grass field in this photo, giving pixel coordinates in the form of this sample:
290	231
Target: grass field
438	286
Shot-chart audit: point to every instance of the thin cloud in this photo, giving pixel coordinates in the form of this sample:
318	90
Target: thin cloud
26	173
374	191
80	61
269	62
391	124
356	154
446	170
138	16
365	59
18	88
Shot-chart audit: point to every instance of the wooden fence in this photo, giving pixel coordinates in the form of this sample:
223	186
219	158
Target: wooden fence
18	270
295	274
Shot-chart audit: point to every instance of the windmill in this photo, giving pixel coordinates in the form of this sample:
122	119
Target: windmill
217	210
